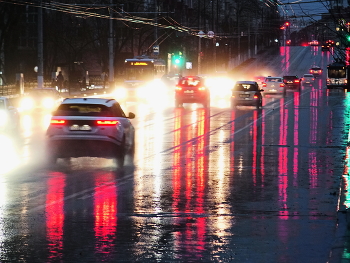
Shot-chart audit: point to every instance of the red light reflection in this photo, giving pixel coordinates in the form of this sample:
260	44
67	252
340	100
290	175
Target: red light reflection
105	211
189	181
55	215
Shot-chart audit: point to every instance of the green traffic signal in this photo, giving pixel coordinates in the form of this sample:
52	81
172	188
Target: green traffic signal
348	38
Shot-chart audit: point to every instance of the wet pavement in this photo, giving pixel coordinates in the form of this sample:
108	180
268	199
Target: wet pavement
205	185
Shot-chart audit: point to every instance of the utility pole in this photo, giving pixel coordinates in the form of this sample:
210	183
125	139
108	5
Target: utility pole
110	45
40	76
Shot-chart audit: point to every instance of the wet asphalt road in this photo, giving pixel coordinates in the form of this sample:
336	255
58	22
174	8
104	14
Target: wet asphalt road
205	185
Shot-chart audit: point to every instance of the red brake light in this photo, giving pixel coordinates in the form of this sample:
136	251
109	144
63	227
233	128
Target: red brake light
107	123
256	96
264	84
57	122
282	85
178	88
201	88
297	81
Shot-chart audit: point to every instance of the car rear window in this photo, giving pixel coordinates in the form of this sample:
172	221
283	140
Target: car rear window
273	80
308	76
290	77
245	87
83	110
190	82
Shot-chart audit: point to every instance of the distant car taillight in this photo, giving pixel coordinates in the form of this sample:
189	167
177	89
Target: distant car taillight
107	123
256	96
201	88
178	88
297	81
282	85
264	84
57	122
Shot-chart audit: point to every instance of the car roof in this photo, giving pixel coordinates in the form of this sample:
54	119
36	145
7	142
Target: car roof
246	82
269	77
290	76
308	75
104	101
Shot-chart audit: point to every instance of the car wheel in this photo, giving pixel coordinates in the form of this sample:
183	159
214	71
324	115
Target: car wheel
120	155
51	158
206	104
178	104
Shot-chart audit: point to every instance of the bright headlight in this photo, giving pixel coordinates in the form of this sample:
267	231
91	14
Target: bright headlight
3	118
120	93
141	92
48	103
26	104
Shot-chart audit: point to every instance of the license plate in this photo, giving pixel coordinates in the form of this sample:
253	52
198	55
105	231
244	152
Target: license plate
244	95
76	127
289	81
188	91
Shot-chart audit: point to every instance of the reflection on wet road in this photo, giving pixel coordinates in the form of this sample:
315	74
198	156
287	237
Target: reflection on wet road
216	184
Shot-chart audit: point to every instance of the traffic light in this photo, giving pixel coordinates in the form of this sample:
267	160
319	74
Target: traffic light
178	60
348	38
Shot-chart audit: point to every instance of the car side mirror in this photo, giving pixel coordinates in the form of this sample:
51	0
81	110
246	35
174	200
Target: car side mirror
261	90
131	115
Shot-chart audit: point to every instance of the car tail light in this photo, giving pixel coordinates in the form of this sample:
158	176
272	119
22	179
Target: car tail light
256	96
345	81
264	84
178	88
57	122
107	123
302	79
297	81
201	88
282	85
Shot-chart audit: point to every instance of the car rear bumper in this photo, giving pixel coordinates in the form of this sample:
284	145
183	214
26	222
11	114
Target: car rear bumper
251	102
94	146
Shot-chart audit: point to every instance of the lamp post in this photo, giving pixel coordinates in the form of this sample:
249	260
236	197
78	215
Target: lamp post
200	34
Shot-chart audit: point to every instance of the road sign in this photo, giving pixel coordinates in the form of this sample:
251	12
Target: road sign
211	34
201	34
156	50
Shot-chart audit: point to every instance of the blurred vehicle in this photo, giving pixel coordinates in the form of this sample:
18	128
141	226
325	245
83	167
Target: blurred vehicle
171	79
338	75
260	80
308	79
316	71
142	80
274	85
314	43
220	85
246	93
40	99
92	127
292	82
9	116
192	89
325	47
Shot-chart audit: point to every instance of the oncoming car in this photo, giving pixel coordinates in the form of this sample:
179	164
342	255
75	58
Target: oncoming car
246	93
192	89
91	127
274	85
40	99
9	116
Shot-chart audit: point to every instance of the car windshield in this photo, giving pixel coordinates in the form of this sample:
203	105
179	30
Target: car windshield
83	110
273	80
246	87
337	73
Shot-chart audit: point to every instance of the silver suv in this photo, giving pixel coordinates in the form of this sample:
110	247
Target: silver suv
93	127
246	93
